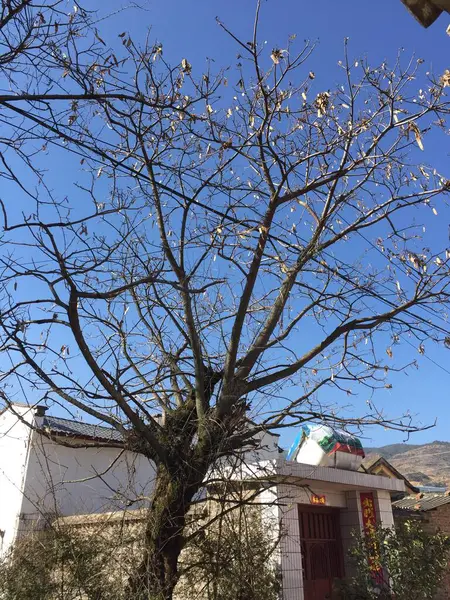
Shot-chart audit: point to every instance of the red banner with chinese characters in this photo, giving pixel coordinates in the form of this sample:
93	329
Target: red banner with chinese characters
369	519
369	516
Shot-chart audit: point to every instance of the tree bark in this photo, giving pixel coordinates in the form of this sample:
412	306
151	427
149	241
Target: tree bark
157	574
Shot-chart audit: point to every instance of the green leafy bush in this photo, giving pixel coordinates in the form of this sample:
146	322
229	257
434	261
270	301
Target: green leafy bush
406	564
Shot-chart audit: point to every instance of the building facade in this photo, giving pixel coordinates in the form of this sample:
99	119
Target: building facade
319	508
73	471
54	469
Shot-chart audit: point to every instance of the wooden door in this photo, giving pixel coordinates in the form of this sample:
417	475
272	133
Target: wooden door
321	551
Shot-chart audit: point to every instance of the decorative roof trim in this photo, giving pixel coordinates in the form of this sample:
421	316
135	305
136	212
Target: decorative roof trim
383	461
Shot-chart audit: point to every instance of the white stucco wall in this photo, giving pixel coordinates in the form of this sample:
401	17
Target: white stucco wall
14	446
68	480
40	478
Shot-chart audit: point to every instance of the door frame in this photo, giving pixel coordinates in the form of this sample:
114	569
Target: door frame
327	510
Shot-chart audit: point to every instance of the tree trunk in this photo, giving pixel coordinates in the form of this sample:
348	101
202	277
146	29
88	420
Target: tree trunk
157	574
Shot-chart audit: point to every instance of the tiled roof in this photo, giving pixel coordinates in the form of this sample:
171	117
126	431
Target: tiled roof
81	430
371	462
426	502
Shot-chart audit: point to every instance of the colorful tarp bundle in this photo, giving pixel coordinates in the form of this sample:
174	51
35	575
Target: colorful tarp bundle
329	439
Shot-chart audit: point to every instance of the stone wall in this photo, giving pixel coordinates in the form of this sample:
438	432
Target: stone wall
439	520
108	546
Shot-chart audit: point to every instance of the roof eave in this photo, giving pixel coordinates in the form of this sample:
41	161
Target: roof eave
424	11
52	433
348	479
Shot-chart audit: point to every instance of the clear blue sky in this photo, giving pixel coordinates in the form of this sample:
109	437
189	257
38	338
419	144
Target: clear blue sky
376	30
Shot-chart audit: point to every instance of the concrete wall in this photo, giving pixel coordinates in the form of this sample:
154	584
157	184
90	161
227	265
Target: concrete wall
68	480
290	549
383	506
41	478
351	520
270	517
14	446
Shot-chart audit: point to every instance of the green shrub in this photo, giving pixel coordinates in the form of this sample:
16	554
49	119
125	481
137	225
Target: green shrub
406	564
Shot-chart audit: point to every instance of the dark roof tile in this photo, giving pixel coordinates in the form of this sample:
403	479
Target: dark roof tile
78	429
426	502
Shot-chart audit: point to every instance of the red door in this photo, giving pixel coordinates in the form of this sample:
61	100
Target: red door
321	551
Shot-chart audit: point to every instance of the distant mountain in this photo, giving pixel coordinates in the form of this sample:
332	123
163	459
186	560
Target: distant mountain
392	449
422	464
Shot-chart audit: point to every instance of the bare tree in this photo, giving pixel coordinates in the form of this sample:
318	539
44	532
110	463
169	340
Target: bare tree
232	244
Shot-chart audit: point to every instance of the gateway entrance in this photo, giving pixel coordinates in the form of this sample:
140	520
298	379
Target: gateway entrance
321	548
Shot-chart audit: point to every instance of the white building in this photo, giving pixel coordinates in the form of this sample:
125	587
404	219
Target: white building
73	473
71	477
